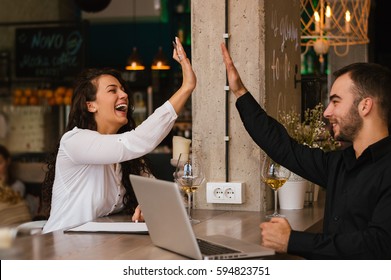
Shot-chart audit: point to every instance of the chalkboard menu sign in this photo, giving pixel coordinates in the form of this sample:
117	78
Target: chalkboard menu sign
55	52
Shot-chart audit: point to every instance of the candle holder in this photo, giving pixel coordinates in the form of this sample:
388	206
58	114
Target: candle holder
341	23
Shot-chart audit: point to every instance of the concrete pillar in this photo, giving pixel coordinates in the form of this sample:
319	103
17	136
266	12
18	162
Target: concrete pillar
264	43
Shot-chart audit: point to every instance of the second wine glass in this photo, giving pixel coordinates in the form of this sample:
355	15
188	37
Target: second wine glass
274	175
189	176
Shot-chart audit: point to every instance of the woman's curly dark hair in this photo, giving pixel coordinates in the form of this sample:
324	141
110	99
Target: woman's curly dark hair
85	90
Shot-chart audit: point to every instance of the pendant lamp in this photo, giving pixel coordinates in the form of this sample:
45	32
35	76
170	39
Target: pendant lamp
160	61
134	61
92	6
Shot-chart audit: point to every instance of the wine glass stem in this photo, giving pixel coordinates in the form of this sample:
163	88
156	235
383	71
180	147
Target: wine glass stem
189	204
275	202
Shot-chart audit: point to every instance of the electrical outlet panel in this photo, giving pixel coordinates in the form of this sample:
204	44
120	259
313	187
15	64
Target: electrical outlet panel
225	192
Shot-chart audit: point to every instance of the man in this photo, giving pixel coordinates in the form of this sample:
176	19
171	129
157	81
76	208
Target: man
357	219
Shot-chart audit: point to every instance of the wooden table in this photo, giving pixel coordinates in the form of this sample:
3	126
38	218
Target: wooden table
119	246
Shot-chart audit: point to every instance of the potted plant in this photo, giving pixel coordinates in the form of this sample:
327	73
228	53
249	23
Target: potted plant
312	131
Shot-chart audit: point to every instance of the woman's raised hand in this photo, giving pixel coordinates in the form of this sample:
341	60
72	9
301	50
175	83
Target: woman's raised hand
189	81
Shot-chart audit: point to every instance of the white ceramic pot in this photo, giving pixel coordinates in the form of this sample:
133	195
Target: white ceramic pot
292	194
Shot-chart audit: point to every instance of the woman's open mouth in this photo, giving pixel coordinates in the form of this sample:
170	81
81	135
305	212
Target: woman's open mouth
121	107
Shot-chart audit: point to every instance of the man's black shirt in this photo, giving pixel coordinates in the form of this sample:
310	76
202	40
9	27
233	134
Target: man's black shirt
357	219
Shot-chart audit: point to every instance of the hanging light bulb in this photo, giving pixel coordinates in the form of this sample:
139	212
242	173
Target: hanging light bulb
134	61
160	61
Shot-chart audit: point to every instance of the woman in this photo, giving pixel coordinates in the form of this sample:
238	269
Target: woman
6	178
89	176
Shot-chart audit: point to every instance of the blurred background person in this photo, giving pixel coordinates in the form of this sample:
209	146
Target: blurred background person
13	208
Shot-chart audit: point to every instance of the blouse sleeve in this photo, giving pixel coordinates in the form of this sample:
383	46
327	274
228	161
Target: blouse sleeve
85	146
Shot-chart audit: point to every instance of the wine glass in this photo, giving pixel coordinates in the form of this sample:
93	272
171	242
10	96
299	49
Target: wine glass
189	176
275	175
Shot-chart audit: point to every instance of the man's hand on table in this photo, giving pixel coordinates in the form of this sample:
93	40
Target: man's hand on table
275	234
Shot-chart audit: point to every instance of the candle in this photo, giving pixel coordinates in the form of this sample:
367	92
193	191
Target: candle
180	145
347	22
317	22
150	100
328	17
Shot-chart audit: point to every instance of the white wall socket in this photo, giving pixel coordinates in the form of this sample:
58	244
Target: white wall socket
225	192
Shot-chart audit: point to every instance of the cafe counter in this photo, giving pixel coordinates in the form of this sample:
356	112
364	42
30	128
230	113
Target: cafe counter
126	246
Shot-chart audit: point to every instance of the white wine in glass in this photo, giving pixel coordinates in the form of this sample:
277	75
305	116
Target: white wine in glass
275	176
189	176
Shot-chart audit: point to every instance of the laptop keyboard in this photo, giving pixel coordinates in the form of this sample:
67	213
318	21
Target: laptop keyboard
208	248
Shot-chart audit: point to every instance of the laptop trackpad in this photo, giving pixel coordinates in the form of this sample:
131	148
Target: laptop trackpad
238	244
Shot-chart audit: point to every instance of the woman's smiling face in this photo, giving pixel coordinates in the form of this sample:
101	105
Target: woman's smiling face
110	106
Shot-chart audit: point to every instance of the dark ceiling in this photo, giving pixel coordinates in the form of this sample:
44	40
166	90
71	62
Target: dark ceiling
380	32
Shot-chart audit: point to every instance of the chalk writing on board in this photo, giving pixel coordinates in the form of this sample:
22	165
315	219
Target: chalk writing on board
288	32
275	66
285	30
49	51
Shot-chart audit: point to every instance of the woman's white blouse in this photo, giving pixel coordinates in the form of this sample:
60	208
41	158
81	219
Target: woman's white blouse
87	183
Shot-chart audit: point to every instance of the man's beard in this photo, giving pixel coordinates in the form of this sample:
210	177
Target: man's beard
350	126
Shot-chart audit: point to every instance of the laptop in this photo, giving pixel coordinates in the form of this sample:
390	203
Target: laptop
170	228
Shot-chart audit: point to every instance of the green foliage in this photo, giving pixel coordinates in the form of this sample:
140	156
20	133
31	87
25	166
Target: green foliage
312	131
